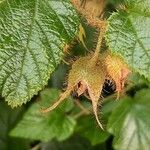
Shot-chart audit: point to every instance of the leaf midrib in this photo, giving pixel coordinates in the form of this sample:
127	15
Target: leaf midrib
27	46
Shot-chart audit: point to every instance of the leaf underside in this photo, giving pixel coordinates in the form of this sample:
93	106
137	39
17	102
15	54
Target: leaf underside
128	34
32	36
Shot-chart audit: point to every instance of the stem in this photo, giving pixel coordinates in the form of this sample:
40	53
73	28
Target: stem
36	147
99	42
86	111
81	113
78	115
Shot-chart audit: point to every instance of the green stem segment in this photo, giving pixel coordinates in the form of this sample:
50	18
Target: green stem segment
99	43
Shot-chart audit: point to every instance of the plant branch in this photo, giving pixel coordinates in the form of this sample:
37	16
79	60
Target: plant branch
103	26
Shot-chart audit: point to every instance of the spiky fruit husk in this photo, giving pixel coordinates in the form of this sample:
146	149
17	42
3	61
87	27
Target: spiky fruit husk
116	70
91	76
84	76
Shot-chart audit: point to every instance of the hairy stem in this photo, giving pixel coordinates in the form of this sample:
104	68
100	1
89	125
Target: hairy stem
99	42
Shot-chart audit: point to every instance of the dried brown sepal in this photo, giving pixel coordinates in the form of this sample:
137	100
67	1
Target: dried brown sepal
84	76
68	46
94	7
82	36
92	10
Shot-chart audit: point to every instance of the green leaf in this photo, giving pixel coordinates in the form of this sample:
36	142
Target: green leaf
74	143
116	2
8	119
128	35
55	124
32	36
87	127
130	123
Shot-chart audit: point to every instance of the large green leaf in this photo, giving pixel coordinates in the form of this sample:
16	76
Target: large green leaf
8	119
32	36
128	35
87	127
130	123
74	143
56	124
